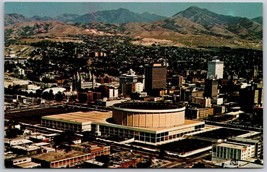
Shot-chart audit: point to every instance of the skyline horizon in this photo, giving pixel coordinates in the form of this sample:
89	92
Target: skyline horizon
29	11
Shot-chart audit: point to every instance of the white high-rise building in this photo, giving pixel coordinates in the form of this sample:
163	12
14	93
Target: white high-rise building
215	69
139	87
110	93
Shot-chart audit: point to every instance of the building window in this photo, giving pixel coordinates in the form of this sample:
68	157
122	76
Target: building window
147	139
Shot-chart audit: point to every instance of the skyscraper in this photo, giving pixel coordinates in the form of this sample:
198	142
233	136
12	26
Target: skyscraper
215	69
155	77
211	88
76	82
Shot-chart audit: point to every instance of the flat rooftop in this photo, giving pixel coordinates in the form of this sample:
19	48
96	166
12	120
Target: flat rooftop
101	118
222	133
180	146
58	155
28	165
81	117
232	145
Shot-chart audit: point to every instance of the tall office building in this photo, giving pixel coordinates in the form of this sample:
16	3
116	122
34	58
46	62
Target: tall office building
76	82
130	78
250	96
211	88
155	77
255	71
215	69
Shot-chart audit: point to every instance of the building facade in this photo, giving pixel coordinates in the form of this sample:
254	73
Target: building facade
232	151
62	159
155	77
215	69
129	80
211	88
257	143
155	115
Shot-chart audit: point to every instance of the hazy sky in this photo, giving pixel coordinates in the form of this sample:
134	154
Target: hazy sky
52	9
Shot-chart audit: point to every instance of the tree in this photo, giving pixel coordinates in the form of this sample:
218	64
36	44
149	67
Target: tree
39	93
48	95
59	96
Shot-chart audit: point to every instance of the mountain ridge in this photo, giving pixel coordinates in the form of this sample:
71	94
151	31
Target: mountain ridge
117	16
188	27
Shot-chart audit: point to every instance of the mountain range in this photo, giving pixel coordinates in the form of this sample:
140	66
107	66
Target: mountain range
194	24
118	16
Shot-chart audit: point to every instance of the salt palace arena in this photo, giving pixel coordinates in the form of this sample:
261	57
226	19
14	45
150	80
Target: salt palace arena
146	122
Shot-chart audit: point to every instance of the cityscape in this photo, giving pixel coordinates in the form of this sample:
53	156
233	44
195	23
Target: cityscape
111	85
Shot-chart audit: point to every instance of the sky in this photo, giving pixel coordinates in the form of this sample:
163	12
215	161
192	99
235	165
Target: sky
52	9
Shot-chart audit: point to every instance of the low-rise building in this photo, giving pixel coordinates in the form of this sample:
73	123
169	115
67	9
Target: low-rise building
92	148
93	164
218	109
17	142
217	101
124	159
196	113
202	101
24	162
257	143
62	159
26	150
38	138
232	151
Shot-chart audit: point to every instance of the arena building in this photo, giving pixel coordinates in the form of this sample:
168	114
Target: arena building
147	122
148	114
